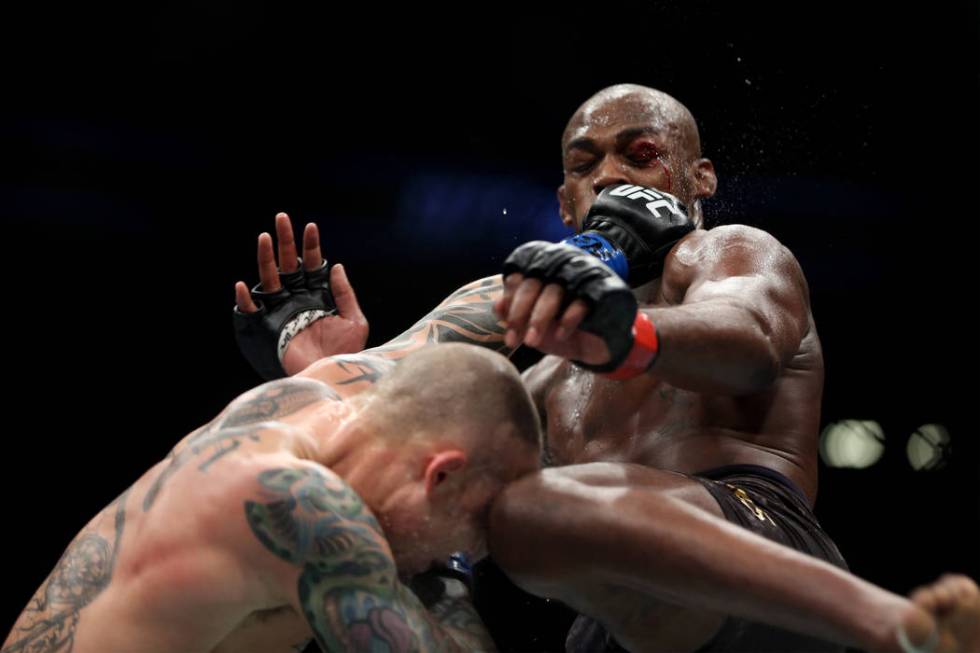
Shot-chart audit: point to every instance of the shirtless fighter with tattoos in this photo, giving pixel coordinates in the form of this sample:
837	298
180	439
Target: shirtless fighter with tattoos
300	511
681	396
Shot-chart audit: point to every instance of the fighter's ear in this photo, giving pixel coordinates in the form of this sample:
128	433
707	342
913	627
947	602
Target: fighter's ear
565	209
441	466
705	180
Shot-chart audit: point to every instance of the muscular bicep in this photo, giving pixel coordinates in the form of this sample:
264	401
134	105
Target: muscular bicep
346	581
748	270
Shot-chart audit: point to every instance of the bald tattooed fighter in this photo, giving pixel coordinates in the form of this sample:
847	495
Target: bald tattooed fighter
681	398
298	513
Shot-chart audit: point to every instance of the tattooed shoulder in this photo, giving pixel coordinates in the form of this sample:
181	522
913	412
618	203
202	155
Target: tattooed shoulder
309	515
240	422
348	587
274	400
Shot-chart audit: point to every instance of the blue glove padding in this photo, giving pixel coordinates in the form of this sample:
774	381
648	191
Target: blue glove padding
632	229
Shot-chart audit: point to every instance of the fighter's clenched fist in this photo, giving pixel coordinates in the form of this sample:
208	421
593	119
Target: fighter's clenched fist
571	299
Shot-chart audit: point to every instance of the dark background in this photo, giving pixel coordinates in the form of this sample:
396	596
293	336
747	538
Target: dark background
143	150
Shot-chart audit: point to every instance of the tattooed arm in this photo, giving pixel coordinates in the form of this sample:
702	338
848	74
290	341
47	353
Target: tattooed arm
341	575
50	620
467	316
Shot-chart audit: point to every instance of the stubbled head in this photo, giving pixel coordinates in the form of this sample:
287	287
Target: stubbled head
464	416
632	134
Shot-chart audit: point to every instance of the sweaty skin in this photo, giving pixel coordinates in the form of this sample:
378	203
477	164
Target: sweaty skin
713	413
707	403
740	374
255	532
617	533
612	529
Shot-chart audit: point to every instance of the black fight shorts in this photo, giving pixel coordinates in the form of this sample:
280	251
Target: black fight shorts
769	504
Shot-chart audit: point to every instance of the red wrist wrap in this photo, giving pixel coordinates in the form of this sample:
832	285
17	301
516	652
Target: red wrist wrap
642	354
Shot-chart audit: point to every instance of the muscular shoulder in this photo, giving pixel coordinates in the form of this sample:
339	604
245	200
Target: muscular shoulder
725	243
282	516
322	549
272	401
305	514
728	251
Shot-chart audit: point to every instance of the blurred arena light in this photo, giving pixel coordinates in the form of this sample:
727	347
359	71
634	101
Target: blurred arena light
928	447
852	443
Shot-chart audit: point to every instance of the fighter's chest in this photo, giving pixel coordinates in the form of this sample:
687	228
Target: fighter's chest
592	418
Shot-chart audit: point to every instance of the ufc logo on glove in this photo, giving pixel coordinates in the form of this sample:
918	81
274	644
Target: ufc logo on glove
656	201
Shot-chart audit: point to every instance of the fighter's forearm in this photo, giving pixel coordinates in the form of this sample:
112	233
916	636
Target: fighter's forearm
455	615
465	316
714	348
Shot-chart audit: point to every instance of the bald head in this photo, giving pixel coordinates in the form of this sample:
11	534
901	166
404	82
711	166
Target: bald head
632	103
456	388
630	134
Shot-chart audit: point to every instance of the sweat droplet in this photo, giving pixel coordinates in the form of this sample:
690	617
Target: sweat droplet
505	211
748	82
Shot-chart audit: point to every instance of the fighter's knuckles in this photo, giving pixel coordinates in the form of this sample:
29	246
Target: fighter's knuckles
545	311
517	317
530	289
524	258
512	281
553	291
574	315
524	301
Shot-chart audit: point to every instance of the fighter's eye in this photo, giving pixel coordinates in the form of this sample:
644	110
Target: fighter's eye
644	153
581	166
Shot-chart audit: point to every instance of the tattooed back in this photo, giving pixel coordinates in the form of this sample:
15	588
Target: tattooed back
249	535
160	568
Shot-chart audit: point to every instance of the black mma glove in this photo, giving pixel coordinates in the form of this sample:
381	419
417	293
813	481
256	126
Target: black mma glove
455	578
631	229
613	312
263	336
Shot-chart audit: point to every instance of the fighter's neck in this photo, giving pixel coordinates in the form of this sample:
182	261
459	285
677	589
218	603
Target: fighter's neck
367	461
